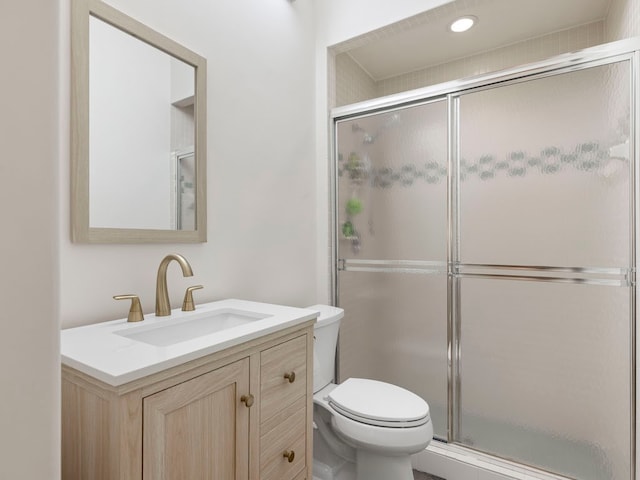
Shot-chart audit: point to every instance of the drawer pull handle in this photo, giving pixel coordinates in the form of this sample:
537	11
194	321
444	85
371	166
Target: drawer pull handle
290	376
290	455
247	400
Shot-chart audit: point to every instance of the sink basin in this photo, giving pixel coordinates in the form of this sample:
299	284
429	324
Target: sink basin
172	331
117	352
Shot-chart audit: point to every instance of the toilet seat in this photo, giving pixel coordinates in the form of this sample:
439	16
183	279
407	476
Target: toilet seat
359	432
378	404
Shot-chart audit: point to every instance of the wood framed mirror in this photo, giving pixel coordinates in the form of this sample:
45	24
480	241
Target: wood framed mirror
138	132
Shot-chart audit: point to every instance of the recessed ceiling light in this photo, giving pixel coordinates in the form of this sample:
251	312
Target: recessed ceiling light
463	24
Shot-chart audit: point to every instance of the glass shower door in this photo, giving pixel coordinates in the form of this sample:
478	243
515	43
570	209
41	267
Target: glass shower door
498	224
543	250
392	250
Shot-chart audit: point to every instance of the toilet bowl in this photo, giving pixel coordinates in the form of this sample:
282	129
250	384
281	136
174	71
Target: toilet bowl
364	429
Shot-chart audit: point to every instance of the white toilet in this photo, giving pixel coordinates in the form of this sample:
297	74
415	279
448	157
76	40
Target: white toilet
363	429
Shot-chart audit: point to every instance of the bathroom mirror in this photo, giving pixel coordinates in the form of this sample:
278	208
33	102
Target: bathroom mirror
138	123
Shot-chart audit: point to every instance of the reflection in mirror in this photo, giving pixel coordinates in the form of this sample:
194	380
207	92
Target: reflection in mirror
183	193
135	88
138	161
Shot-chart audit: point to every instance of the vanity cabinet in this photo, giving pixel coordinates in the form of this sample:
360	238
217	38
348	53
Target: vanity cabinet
200	420
244	413
283	409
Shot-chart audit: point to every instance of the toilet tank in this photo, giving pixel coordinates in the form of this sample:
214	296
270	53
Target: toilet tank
325	343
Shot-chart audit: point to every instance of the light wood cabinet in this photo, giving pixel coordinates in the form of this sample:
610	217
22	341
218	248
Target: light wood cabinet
241	414
283	409
196	429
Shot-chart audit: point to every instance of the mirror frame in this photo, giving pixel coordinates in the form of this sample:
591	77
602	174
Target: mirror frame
81	230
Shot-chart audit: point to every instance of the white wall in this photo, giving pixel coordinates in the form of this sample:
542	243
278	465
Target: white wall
340	20
29	352
130	91
623	19
182	82
261	190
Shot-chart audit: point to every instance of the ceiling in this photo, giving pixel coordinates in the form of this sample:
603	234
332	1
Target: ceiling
500	22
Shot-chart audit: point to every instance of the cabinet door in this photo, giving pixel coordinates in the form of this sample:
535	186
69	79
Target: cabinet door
199	429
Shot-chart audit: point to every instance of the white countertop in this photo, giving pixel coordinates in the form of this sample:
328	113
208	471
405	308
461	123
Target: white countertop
99	351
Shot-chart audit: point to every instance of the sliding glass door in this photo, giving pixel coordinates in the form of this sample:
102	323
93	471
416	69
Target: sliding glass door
485	258
391	211
542	259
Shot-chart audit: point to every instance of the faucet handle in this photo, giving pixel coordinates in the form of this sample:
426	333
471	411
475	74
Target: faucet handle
187	304
135	312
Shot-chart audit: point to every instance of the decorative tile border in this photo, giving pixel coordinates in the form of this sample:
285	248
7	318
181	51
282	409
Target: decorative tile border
585	157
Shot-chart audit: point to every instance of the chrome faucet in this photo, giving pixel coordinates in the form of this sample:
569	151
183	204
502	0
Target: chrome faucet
163	307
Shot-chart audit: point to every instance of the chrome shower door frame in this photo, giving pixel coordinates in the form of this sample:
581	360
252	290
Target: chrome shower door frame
625	50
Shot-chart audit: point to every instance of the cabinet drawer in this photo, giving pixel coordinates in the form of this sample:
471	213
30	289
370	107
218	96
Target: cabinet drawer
276	391
286	434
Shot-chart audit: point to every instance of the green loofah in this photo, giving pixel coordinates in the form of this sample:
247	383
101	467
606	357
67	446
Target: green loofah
347	229
354	206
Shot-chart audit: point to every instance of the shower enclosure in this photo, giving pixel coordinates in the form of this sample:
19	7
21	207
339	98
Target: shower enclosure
485	255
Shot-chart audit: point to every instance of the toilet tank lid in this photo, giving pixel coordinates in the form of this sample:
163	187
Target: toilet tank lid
328	314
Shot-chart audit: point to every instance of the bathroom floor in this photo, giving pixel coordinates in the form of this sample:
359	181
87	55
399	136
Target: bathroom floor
425	476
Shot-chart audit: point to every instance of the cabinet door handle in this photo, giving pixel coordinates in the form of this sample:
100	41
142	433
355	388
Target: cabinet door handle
247	400
290	455
291	376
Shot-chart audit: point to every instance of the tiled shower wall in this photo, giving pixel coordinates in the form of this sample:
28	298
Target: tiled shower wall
623	20
510	56
353	84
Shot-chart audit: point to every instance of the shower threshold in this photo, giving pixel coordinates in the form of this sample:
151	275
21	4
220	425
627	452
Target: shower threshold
457	462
